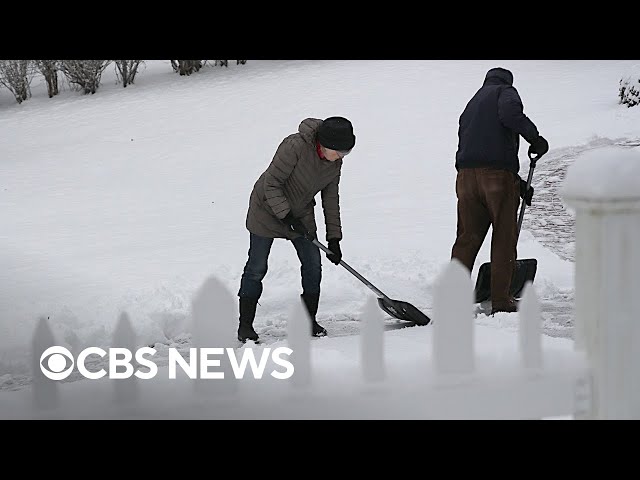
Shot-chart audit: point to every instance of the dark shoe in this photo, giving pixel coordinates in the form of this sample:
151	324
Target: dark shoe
311	303
318	330
247	315
509	306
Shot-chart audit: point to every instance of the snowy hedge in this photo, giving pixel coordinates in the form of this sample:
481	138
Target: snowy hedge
629	91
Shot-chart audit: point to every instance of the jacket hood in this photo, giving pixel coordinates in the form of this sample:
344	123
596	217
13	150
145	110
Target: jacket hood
308	129
498	76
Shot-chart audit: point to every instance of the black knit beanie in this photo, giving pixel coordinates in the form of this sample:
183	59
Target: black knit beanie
336	133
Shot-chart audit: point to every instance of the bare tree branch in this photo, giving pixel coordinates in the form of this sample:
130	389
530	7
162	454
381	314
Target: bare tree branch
629	91
85	74
126	70
16	75
49	70
186	67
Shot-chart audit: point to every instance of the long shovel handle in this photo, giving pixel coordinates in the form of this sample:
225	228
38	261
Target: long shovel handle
352	271
532	165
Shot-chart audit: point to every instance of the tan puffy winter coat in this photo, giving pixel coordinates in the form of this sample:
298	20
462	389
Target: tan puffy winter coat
290	183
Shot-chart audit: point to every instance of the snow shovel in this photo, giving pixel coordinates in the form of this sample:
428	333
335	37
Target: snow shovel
395	308
525	268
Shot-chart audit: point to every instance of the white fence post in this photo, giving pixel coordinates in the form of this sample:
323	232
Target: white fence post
453	341
214	316
530	331
299	331
372	342
126	390
604	189
45	391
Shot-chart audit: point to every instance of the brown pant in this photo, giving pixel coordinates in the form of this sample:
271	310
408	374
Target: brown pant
488	197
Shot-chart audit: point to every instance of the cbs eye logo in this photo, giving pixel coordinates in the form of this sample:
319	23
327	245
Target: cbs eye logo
54	367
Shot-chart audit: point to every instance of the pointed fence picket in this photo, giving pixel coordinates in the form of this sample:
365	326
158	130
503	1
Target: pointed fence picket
126	390
455	382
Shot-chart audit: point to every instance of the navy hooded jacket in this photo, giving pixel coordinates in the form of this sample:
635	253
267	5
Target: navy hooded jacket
491	124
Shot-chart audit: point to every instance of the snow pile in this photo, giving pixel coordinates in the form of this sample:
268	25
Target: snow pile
611	173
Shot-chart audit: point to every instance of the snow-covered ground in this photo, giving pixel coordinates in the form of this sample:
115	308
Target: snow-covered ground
129	199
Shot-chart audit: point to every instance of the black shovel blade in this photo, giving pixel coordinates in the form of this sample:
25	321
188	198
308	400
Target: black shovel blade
403	311
525	272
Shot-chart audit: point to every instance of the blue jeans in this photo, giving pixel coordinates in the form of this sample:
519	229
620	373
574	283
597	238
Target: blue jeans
256	266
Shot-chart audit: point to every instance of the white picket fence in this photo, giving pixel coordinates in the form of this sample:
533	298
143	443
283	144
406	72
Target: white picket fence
604	189
596	379
450	386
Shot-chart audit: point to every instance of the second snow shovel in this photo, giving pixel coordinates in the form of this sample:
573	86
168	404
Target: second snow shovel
525	268
395	308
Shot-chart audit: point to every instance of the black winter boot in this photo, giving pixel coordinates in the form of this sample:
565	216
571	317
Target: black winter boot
311	303
247	315
511	305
